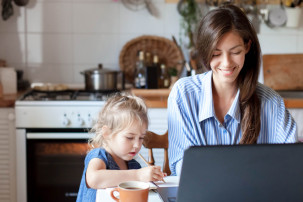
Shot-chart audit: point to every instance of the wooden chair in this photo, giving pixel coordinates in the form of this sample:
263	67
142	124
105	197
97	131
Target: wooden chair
153	140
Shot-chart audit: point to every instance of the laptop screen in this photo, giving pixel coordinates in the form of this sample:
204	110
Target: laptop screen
269	172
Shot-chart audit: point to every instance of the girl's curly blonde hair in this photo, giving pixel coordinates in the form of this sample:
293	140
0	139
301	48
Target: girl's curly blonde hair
119	112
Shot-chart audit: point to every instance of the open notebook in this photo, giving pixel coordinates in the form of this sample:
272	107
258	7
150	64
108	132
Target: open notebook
170	181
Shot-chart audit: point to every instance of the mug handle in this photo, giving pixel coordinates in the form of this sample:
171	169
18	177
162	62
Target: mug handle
112	194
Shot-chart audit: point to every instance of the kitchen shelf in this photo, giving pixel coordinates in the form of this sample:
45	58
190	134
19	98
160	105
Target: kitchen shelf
151	92
293	103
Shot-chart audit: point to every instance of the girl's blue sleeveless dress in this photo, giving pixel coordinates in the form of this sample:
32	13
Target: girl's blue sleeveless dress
87	194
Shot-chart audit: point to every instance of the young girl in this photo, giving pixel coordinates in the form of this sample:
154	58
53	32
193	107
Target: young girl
119	133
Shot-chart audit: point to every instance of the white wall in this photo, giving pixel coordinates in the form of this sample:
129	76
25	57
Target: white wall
53	40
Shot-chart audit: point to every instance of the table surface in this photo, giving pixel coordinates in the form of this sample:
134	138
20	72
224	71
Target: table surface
103	195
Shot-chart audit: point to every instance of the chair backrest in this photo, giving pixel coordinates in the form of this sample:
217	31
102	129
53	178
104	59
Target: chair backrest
153	140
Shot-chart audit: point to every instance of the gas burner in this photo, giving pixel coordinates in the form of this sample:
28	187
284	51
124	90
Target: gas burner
94	95
47	95
68	95
44	97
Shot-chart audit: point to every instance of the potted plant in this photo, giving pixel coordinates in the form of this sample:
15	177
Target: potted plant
190	13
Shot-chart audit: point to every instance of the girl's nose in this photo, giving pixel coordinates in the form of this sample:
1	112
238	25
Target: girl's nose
137	143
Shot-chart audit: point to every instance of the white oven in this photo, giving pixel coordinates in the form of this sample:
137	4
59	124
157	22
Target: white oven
50	164
51	137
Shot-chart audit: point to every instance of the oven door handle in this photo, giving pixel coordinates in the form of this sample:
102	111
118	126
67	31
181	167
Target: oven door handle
59	135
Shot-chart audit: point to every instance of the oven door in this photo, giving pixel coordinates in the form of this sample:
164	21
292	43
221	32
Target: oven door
54	165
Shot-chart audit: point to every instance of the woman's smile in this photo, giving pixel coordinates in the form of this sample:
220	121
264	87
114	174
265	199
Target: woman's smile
227	72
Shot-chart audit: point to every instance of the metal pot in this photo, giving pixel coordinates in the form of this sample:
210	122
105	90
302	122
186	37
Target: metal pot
102	79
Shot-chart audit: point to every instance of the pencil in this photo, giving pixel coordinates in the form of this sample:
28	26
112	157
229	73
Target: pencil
147	163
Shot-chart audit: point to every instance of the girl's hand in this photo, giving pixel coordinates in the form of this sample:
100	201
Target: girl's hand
151	173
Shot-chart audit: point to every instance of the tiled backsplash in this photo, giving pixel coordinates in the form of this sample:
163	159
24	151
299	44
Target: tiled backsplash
54	40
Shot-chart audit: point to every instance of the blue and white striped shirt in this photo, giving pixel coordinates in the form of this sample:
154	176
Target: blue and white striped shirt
192	119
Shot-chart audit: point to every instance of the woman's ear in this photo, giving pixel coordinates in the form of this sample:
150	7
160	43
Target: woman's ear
247	46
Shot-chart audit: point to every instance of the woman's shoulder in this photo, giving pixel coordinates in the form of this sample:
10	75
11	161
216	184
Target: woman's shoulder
190	84
192	81
267	94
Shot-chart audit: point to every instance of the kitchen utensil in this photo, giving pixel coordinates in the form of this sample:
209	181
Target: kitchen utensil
102	79
136	5
293	16
276	17
151	8
7	9
21	2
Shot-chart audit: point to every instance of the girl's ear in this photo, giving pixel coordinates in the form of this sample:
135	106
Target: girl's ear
247	46
105	131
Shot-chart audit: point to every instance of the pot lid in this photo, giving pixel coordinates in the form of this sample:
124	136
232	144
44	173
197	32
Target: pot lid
99	70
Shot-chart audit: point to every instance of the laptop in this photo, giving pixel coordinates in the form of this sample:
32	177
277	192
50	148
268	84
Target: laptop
250	173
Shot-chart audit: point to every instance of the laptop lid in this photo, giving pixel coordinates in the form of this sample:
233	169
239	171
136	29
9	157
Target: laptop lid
272	172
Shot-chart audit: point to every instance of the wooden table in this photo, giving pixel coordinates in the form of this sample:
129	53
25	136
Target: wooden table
103	195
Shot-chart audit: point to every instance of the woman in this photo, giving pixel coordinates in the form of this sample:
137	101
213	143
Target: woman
225	105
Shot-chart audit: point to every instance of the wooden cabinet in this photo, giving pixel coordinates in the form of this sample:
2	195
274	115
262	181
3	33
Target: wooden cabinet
7	155
154	98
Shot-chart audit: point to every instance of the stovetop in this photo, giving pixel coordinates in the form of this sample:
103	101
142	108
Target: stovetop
67	95
59	109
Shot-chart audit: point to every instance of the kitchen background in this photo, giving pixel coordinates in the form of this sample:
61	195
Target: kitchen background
54	40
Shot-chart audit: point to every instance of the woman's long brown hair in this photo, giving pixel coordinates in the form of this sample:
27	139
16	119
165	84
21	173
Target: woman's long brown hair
212	27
